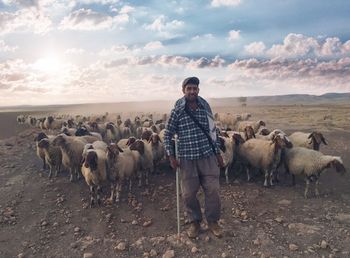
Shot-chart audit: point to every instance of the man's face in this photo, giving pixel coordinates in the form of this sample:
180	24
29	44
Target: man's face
191	92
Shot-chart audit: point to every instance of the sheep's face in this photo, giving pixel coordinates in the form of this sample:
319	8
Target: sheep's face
127	122
94	125
264	131
119	122
138	146
249	132
337	164
281	141
50	119
110	126
40	136
316	138
154	129
43	143
130	141
237	139
70	123
146	135
91	160
113	151
155	139
82	131
262	123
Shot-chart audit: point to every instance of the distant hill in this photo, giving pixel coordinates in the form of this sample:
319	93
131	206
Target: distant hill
291	99
166	105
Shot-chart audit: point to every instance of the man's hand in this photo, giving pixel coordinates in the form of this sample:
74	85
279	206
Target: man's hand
220	161
174	163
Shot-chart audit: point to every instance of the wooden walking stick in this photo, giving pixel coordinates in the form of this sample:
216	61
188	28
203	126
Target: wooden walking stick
177	191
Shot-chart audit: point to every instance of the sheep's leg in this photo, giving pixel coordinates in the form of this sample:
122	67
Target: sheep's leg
317	183
78	173
50	173
226	174
113	190
92	191
248	174
271	175
130	184
267	174
58	170
118	190
44	164
98	192
71	171
139	174
307	188
147	175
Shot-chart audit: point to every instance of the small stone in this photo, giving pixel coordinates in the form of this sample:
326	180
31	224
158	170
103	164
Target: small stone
55	224
293	247
194	250
121	246
284	202
44	223
21	255
323	244
207	239
169	254
76	229
279	219
223	255
87	255
147	223
134	222
153	253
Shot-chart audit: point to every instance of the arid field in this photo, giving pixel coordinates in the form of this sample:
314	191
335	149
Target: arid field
42	217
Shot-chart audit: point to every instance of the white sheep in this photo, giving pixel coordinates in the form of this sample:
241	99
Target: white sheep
94	170
310	163
256	125
39	151
263	154
100	145
228	150
113	133
308	140
72	149
158	151
53	155
146	161
124	164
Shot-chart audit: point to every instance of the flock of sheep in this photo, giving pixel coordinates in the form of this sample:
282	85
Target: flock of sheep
110	149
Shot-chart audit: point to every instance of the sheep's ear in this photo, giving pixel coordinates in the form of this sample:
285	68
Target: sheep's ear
119	149
324	140
82	161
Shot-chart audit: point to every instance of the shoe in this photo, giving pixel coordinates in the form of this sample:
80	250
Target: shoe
193	230
215	229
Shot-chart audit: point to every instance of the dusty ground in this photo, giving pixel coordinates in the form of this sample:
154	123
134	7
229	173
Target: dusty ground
48	218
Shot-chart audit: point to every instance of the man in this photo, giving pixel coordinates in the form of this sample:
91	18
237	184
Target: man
198	154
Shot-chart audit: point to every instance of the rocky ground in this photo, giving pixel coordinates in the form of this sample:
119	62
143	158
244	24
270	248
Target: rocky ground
40	217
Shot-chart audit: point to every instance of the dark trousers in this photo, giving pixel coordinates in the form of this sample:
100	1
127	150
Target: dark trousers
201	172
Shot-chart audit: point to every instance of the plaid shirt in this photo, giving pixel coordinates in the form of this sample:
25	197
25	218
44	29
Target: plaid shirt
192	142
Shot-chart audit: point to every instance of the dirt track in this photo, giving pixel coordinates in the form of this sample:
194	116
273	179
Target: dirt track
49	218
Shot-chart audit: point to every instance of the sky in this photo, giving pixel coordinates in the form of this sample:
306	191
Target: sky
90	51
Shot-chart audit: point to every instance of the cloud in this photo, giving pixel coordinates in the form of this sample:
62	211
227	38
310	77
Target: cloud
234	35
153	45
164	27
5	48
296	46
126	9
87	19
204	37
255	48
218	3
74	51
24	20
